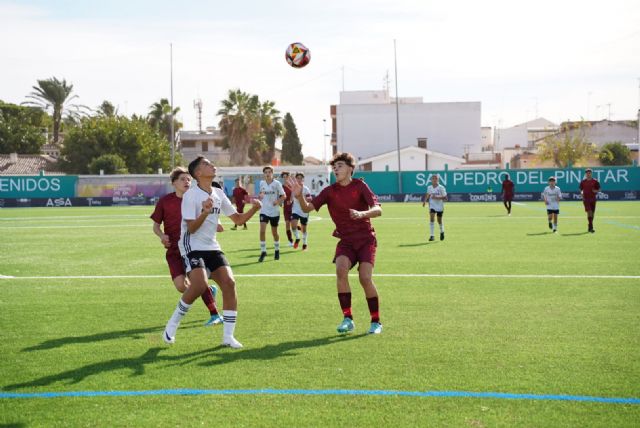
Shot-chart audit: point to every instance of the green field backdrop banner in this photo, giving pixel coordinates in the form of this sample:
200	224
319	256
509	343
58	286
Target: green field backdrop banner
38	186
490	180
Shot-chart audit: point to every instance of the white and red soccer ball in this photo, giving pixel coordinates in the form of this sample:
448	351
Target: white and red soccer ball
297	55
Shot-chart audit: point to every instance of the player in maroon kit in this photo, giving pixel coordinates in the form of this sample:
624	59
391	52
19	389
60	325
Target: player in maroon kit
287	205
168	214
589	188
507	192
351	204
239	197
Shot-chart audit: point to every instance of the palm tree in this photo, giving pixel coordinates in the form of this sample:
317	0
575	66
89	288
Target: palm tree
271	124
240	123
53	94
160	115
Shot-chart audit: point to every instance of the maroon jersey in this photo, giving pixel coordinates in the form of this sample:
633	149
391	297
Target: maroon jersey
588	187
339	199
169	211
238	197
288	202
507	188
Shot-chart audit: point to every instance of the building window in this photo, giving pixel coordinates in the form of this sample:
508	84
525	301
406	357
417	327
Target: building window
188	144
205	146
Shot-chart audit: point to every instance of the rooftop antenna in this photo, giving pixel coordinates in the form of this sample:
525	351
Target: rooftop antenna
197	104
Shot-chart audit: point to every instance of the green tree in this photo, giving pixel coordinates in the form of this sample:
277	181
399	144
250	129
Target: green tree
271	124
108	164
141	148
160	115
615	153
240	123
568	146
54	95
22	129
107	109
291	146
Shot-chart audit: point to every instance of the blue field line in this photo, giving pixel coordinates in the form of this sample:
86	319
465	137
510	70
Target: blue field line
622	225
445	394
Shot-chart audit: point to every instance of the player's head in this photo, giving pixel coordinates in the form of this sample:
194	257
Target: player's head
434	179
180	179
300	177
284	175
201	168
343	162
505	177
238	182
552	181
268	172
588	172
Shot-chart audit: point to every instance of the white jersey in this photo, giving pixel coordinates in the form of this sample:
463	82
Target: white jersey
436	204
296	209
553	197
270	193
203	239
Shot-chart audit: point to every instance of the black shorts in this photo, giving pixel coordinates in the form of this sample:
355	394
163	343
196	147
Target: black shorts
271	220
438	213
553	211
209	260
303	220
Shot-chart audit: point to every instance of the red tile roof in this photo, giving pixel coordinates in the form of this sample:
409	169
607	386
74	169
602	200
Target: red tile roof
29	165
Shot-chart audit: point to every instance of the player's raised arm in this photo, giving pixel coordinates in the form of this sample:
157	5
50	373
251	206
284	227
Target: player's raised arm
296	192
242	218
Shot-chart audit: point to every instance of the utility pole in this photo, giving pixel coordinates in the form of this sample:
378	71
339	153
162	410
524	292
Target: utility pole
395	61
197	104
173	137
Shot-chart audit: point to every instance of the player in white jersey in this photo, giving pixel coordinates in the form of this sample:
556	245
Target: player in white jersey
272	195
297	214
436	195
202	256
552	195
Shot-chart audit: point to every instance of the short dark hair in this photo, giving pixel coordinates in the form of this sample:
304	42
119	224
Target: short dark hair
177	172
216	184
299	174
194	164
283	173
266	168
552	179
344	157
505	176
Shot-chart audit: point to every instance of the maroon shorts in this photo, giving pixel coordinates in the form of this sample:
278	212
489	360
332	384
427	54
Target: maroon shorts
176	267
507	197
358	252
239	208
589	205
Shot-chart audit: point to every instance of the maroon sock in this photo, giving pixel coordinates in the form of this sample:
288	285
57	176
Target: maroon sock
210	303
373	308
590	222
345	304
289	235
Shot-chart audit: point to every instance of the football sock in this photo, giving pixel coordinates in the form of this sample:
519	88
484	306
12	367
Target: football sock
296	233
373	308
441	227
590	222
431	226
229	326
555	226
304	238
209	301
173	323
345	304
263	246
276	245
289	235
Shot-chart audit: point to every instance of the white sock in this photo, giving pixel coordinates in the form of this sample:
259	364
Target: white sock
174	321
263	246
229	326
555	226
295	233
441	227
431	226
304	238
276	245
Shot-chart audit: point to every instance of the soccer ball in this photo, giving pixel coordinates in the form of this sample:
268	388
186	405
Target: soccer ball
297	55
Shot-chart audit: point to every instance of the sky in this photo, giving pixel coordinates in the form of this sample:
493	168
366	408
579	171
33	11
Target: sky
557	59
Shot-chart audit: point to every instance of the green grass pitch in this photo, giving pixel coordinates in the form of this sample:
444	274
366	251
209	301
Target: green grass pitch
500	306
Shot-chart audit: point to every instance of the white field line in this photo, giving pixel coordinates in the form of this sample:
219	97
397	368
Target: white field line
312	275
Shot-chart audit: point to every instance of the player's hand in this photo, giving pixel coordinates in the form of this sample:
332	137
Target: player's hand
356	215
296	189
219	228
165	241
256	203
207	205
276	203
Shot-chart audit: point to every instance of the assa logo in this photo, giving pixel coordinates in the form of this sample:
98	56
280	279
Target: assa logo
59	202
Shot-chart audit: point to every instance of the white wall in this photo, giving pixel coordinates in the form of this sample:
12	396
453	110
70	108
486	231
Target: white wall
367	130
413	161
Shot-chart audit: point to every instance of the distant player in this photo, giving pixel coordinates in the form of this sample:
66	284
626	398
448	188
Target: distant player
287	206
272	195
552	195
167	215
589	188
436	195
351	204
239	196
507	192
202	255
298	214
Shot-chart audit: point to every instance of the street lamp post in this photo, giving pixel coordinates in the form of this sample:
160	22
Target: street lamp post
324	141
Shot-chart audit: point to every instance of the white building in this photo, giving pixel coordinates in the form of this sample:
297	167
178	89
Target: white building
411	159
364	123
